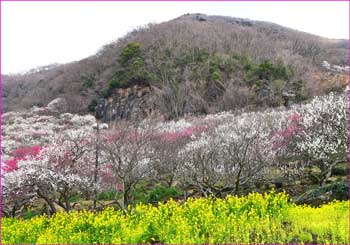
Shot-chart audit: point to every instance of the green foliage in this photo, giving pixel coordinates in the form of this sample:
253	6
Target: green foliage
115	82
137	63
269	80
144	193
341	169
216	76
161	193
130	52
248	65
88	82
200	55
216	63
192	57
30	214
299	88
269	71
132	70
107	195
202	68
92	105
259	219
266	71
104	93
74	198
334	191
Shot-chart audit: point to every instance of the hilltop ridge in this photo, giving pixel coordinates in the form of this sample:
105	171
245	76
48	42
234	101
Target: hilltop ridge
192	64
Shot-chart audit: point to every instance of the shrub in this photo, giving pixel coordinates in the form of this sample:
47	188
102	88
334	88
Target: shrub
114	83
107	195
327	193
132	50
161	193
87	82
132	68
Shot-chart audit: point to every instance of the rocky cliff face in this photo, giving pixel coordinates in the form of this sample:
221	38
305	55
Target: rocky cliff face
138	102
133	103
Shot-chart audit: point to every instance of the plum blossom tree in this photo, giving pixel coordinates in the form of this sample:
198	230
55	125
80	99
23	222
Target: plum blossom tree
15	195
200	168
54	174
166	161
20	154
235	153
26	129
127	153
324	139
284	141
245	148
314	135
15	198
170	138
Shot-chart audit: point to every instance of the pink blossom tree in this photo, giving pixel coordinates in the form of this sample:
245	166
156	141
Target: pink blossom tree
167	145
314	135
55	173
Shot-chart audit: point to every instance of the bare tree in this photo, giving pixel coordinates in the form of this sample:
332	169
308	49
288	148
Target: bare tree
128	155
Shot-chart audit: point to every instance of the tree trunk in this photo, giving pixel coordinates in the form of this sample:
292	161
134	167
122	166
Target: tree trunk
327	173
48	201
96	163
238	180
13	211
67	204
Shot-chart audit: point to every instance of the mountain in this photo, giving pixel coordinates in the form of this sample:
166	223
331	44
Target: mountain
193	64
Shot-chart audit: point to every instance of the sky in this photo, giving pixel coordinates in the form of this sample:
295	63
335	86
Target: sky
41	33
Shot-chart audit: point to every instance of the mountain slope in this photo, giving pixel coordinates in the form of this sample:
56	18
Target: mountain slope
192	64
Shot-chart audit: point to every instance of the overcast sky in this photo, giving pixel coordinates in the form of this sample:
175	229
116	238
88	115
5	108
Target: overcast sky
40	33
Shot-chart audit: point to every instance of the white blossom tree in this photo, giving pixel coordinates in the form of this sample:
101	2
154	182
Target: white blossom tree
235	153
324	139
58	172
313	135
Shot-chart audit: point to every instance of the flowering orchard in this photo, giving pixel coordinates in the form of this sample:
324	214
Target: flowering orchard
218	154
54	173
38	127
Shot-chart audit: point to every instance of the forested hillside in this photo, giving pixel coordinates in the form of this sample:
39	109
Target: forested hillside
192	64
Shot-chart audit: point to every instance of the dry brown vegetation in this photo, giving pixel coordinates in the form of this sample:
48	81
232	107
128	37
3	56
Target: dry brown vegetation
195	64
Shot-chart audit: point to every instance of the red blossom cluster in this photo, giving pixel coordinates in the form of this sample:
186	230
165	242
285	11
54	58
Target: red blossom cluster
21	154
282	137
183	134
